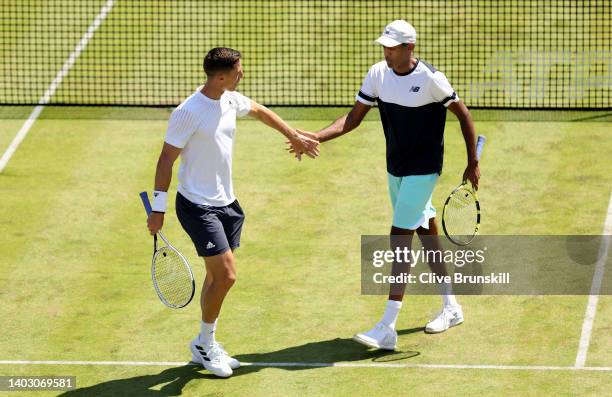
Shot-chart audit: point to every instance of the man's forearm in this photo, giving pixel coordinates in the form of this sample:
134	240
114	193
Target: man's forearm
469	135
163	174
339	127
271	119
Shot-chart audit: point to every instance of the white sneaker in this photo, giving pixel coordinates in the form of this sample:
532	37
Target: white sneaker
211	357
379	337
448	317
231	361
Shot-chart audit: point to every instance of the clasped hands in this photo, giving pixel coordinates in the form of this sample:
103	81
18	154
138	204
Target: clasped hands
303	142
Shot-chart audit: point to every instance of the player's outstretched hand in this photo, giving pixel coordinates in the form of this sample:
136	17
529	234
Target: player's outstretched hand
310	136
472	174
302	144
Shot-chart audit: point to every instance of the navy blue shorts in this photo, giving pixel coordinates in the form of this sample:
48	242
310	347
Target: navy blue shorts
213	230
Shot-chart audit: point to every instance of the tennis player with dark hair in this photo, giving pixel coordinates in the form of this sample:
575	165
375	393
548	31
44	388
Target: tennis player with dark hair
412	98
201	130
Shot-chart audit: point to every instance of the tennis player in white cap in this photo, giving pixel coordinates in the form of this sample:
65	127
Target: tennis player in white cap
412	98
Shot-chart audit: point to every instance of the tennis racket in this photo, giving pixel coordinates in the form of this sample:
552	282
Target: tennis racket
172	276
461	213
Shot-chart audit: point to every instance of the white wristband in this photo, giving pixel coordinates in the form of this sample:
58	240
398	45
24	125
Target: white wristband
159	201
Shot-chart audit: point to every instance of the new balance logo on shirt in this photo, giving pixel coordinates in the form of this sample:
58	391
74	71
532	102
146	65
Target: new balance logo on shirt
414	88
210	245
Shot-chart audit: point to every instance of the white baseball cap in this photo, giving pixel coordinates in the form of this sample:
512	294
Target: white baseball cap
396	33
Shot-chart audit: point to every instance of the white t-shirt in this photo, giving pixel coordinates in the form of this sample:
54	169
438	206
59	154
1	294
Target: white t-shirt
204	128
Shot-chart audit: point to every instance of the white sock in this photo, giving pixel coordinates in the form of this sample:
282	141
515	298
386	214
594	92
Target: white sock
207	332
391	312
448	298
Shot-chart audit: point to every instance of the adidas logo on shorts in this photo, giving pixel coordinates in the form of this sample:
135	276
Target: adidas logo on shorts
210	245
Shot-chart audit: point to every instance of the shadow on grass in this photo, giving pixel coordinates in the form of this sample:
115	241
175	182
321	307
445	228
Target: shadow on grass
170	382
323	352
598	117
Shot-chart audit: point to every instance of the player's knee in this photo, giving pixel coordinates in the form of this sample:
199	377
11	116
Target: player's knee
224	270
227	276
227	281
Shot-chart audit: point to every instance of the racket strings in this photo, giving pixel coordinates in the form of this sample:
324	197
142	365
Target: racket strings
460	215
172	277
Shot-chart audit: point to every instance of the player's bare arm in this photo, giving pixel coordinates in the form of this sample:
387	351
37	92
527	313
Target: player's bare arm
163	176
343	125
472	172
300	144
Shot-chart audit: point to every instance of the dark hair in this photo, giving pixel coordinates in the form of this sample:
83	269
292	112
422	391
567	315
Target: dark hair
219	60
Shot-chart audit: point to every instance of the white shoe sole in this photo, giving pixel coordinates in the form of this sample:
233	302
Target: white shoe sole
434	331
367	342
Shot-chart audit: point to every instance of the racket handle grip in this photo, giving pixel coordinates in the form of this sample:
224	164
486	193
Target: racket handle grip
145	201
479	145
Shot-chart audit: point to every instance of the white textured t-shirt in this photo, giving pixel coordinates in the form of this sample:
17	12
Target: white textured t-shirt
204	128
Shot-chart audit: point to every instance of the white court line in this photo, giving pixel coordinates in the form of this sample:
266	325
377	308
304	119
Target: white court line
23	131
589	316
318	365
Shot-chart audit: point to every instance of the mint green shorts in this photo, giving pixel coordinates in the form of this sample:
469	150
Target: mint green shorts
411	200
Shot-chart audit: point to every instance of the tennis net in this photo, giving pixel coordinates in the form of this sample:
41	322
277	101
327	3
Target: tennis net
503	54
